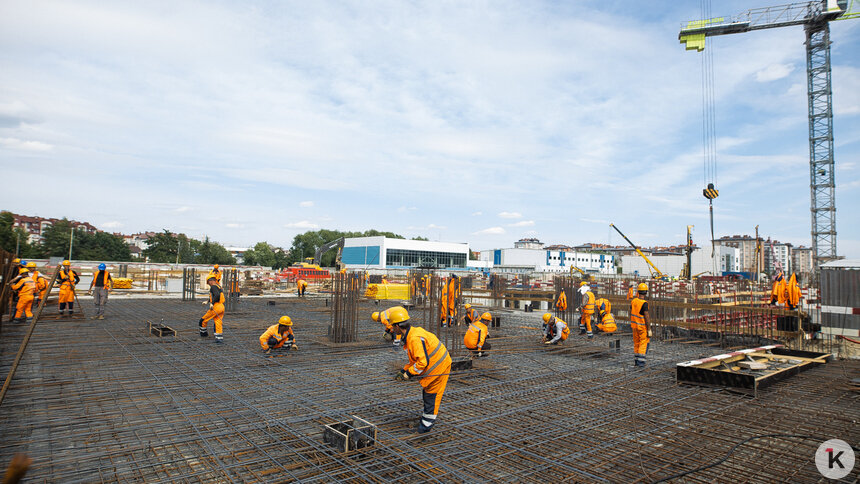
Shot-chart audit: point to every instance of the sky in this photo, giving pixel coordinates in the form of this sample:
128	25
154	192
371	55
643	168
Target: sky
461	121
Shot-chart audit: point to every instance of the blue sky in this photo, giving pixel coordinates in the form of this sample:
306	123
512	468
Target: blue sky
479	122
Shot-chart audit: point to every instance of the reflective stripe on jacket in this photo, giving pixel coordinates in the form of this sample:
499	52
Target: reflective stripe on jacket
425	352
636	316
475	335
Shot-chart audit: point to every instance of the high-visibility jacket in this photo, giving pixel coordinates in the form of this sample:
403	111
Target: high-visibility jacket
604	309
475	335
41	283
453	294
588	303
68	278
471	315
557	329
272	332
426	354
302	284
561	304
25	286
632	293
792	292
106	279
637	316
777	294
216	295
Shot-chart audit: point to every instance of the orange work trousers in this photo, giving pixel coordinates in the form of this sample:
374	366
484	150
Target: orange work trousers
67	293
216	315
25	306
640	343
434	388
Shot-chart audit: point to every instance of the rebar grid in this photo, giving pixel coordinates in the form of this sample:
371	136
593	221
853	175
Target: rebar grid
102	401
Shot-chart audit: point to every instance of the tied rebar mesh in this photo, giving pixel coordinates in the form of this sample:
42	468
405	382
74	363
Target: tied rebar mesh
346	293
189	284
230	288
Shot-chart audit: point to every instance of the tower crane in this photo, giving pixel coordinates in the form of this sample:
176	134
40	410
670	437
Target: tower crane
815	16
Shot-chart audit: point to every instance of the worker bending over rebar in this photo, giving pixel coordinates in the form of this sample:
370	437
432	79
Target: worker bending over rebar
428	359
555	330
301	287
41	284
640	323
476	336
604	314
25	286
382	317
279	336
215	312
68	280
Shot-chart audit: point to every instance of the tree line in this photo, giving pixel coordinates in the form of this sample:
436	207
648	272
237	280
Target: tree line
55	242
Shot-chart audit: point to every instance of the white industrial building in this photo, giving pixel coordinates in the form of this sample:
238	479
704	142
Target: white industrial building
539	260
384	253
726	259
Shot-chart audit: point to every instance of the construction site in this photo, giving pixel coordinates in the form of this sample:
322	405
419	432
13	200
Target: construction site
140	397
697	373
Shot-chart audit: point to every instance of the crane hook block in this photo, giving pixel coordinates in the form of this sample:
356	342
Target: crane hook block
710	193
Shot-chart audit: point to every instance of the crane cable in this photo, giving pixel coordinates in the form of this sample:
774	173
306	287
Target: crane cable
709	137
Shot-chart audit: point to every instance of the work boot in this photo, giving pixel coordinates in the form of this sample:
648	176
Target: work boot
204	333
94	317
422	429
101	316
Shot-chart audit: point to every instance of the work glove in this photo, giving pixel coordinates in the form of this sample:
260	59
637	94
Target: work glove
547	342
480	354
649	333
403	375
397	343
267	350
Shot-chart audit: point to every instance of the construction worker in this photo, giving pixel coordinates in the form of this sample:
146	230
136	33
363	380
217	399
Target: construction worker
471	315
301	287
604	315
16	268
215	312
777	294
640	323
41	284
382	317
561	303
25	286
428	360
279	336
476	335
631	292
68	280
586	309
216	273
100	286
555	329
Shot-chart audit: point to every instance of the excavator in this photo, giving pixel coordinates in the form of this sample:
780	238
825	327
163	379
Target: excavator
655	273
327	247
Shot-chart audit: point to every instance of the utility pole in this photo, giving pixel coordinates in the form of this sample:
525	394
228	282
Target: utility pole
71	241
17	242
757	252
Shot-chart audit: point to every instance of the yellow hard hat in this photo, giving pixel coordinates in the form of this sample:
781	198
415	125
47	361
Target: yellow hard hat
23	270
546	317
217	266
375	316
16	260
583	283
467	306
67	263
31	265
285	321
397	315
642	287
487	317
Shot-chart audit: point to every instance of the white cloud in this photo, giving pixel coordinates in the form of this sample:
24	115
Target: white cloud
304	224
22	145
437	227
595	221
184	208
112	225
523	223
475	214
510	215
404	209
490	231
774	72
306	204
234	226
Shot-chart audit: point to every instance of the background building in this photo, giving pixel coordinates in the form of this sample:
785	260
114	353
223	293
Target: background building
539	260
726	259
382	253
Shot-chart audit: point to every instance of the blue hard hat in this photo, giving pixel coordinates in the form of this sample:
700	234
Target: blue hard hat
102	267
23	263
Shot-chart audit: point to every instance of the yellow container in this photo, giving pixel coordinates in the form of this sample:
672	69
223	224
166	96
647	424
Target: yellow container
387	291
121	283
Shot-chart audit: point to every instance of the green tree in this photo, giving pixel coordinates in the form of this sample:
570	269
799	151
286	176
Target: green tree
306	244
56	238
419	238
10	237
162	247
209	252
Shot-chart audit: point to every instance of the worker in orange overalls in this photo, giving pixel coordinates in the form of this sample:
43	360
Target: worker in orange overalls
301	287
279	336
561	304
471	315
428	360
640	323
26	289
215	312
382	317
41	284
475	339
555	329
16	267
586	309
777	294
631	292
68	280
604	315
